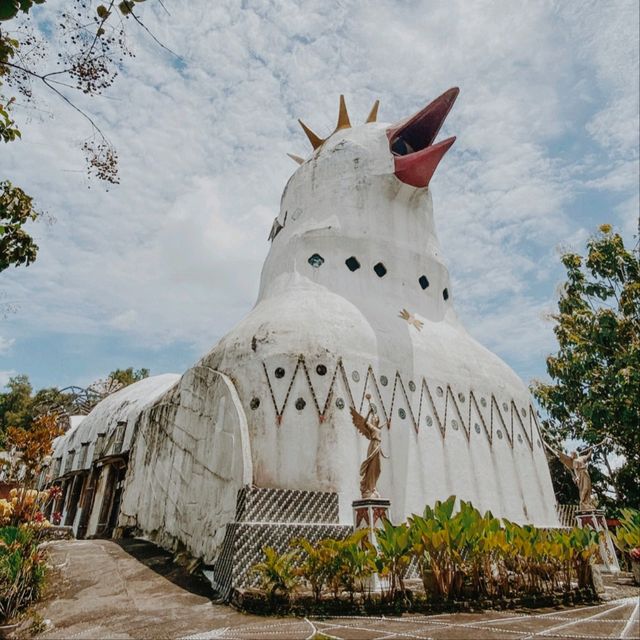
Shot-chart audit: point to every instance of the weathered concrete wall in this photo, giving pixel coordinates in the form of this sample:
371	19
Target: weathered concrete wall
123	406
190	459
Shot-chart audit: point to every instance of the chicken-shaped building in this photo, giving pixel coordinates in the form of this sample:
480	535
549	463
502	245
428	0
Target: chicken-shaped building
355	299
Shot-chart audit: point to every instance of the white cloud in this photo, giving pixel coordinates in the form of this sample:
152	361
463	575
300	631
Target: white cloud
5	344
174	252
4	377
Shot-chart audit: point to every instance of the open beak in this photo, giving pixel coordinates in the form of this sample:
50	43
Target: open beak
411	142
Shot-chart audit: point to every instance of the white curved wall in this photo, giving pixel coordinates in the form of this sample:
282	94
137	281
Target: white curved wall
191	456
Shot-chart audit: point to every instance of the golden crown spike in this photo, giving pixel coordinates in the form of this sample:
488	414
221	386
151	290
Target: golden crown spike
343	123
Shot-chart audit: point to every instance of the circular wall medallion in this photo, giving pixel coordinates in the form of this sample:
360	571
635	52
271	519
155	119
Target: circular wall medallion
255	403
499	434
340	403
296	214
454	424
412	385
321	370
483	402
505	406
461	397
300	404
429	421
519	438
439	391
476	426
402	413
384	381
355	376
523	411
279	372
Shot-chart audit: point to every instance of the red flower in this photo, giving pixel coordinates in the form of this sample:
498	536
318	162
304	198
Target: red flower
55	491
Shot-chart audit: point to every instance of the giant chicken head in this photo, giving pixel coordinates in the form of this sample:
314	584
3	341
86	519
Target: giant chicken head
408	147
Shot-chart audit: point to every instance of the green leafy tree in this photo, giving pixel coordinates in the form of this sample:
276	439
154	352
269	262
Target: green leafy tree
595	374
20	406
17	247
15	403
128	376
93	41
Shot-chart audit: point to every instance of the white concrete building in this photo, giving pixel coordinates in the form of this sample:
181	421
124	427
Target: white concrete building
90	460
355	298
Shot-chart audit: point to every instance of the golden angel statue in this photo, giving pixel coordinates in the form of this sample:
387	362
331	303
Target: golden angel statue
371	429
577	463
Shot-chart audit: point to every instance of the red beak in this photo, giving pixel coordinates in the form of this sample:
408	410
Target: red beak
415	156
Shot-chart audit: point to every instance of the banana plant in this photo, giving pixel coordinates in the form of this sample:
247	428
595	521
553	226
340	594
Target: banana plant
627	536
394	555
357	562
277	572
314	565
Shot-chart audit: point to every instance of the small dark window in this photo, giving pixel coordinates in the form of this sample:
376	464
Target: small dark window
316	260
279	372
424	283
352	263
380	269
321	370
445	294
300	404
255	403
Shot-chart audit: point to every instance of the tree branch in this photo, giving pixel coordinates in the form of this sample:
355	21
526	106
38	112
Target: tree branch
160	44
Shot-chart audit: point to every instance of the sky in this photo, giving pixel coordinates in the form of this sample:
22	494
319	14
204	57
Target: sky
154	271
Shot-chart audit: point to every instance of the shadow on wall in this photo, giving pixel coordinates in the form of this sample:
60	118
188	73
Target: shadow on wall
162	563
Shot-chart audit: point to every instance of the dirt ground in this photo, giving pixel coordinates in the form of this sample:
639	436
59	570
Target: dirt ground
104	589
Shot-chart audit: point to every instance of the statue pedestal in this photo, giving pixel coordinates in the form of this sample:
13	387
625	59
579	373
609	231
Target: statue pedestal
594	518
368	513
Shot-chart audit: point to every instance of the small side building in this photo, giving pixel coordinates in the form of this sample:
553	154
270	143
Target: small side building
90	461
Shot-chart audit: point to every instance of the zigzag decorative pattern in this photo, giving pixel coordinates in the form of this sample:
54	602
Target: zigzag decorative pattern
500	420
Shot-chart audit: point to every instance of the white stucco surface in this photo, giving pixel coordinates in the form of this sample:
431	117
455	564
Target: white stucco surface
269	404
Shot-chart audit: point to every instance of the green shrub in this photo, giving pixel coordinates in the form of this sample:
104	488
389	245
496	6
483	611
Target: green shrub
627	537
356	561
459	554
22	570
277	573
394	556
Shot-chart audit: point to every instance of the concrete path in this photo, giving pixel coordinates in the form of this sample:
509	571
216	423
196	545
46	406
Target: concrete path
101	591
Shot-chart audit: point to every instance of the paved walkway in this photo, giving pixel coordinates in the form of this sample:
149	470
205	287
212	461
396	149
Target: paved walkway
99	590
